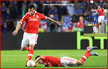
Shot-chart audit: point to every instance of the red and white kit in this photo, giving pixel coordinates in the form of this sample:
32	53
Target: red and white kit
101	15
31	28
59	62
68	62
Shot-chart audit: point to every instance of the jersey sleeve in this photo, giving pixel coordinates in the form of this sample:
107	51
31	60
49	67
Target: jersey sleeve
23	19
42	16
97	10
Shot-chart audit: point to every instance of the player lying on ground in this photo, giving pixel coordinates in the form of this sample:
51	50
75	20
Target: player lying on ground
50	61
32	19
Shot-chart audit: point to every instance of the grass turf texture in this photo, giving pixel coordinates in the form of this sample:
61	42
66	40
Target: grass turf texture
95	35
17	58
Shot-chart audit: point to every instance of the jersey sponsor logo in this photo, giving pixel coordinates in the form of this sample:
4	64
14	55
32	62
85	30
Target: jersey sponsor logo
33	19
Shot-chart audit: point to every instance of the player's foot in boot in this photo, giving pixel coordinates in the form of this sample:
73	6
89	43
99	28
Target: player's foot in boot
91	48
94	54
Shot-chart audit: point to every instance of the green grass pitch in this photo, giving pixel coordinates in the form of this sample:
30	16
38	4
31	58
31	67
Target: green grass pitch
17	58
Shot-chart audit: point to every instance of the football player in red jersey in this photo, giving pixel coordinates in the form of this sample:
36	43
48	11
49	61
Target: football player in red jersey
32	19
50	61
100	10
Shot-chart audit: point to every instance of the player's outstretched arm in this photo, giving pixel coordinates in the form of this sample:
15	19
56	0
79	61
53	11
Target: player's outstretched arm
53	20
17	28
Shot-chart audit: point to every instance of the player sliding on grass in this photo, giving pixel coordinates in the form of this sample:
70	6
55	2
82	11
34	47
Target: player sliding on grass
50	61
32	19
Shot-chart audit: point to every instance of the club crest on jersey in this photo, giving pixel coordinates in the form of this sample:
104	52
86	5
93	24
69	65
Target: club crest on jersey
37	16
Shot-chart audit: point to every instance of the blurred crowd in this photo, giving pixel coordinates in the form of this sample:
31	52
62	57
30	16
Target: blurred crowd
13	11
67	12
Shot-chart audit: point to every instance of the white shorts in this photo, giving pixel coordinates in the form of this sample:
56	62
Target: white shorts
101	19
29	38
68	62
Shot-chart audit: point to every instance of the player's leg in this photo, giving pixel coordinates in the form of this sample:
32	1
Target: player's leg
99	20
24	42
31	52
96	30
96	24
93	30
89	49
32	42
70	62
95	27
88	54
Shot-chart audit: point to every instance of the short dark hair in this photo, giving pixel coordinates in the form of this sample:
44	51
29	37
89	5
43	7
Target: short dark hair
31	6
37	57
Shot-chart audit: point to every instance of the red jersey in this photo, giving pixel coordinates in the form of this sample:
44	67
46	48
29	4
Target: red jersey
80	25
32	22
52	60
101	12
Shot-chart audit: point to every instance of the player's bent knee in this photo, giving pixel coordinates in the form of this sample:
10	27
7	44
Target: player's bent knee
32	46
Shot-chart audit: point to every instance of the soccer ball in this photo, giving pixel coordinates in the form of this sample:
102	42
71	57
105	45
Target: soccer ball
30	63
91	1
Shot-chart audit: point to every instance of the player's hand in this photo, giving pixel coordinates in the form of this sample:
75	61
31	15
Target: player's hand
15	32
58	22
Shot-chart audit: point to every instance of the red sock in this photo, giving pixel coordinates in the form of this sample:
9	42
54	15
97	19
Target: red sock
87	52
82	59
30	54
27	48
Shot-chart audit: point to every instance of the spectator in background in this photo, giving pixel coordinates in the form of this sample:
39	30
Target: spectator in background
67	23
25	3
52	11
12	10
3	10
80	24
23	9
61	10
45	10
70	9
52	27
4	28
8	14
15	7
78	12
